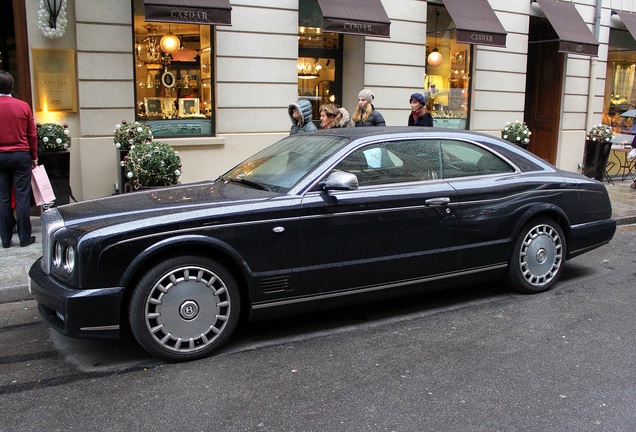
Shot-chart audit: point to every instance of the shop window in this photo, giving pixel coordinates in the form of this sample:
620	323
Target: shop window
319	68
447	79
174	84
620	91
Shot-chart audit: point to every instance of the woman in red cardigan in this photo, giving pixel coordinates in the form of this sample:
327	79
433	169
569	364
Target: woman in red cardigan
18	156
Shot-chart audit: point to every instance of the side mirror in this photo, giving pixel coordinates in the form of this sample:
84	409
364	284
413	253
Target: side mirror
340	180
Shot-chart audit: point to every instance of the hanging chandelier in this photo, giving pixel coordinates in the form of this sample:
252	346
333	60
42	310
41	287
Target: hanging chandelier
170	43
153	53
308	70
435	58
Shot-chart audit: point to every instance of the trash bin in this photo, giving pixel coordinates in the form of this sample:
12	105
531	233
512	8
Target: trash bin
595	158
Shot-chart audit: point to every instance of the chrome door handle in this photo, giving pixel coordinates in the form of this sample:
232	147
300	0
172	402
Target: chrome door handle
437	202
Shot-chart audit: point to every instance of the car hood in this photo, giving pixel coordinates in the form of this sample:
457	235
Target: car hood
174	202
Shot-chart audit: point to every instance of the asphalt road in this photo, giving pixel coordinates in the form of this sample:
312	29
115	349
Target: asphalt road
479	358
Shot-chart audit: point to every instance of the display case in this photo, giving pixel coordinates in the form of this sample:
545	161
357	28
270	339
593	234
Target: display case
159	94
176	87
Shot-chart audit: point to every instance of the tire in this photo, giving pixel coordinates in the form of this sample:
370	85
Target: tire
538	257
184	308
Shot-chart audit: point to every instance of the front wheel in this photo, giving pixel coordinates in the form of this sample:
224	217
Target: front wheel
184	308
538	257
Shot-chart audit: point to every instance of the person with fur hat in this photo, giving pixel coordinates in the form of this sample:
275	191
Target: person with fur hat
300	115
365	113
333	116
420	116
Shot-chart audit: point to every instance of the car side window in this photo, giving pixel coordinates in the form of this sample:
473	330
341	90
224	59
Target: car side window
417	160
462	159
394	162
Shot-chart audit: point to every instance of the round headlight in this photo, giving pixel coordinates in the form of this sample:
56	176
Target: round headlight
69	259
57	254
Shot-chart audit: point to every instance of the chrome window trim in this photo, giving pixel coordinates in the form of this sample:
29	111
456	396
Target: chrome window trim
328	170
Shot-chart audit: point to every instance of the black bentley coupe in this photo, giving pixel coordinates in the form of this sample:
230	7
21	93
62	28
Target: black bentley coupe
313	221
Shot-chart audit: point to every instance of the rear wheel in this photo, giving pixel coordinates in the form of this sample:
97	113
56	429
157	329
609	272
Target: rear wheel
184	308
538	257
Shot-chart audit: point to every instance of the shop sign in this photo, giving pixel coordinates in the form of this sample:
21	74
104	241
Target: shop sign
55	82
481	38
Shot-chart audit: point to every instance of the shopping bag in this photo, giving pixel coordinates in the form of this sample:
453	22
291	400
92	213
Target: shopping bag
41	186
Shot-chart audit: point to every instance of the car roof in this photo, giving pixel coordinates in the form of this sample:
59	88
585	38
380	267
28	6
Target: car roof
376	131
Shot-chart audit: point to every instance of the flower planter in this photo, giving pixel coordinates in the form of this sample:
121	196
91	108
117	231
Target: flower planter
121	171
58	165
595	158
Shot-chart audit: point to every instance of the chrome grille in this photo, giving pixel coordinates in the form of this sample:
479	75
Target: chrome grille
51	222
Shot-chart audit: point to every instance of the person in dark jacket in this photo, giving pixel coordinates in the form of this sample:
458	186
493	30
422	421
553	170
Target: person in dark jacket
18	156
365	113
420	116
300	115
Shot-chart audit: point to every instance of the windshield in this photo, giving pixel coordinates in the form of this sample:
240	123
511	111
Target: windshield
283	164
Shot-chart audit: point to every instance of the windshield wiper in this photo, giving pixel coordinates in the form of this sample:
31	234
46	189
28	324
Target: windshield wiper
250	183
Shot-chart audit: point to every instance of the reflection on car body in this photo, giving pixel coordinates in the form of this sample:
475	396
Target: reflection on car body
313	221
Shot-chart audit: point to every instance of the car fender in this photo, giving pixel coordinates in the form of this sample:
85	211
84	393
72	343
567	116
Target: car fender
192	242
542	209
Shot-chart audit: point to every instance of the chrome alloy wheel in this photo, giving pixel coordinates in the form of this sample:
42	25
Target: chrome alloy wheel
541	255
187	309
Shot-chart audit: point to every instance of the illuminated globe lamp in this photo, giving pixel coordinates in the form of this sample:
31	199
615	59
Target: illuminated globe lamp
435	58
170	43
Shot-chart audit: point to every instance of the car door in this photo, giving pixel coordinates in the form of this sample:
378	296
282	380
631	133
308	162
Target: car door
398	227
492	195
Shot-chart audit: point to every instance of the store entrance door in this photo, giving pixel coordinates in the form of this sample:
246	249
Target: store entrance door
544	82
13	46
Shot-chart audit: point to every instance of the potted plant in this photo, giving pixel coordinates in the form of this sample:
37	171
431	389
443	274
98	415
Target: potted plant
126	135
53	137
598	143
152	164
54	140
517	133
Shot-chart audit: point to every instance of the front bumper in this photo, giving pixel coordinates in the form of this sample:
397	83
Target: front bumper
76	313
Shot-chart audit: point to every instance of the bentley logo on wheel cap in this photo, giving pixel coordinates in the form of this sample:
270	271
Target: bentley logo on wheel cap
189	310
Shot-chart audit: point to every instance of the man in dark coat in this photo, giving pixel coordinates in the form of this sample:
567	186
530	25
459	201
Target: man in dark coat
18	155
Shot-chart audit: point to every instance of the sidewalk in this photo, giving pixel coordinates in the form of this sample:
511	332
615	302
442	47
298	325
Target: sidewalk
16	261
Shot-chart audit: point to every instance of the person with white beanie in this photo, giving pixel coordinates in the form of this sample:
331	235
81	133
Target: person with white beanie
365	113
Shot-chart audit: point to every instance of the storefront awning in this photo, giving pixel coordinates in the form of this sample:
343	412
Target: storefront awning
210	12
359	17
476	22
629	20
574	35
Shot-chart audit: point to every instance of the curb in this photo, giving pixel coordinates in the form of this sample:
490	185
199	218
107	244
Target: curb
627	220
15	294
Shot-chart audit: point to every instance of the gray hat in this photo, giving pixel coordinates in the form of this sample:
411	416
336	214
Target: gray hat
367	95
